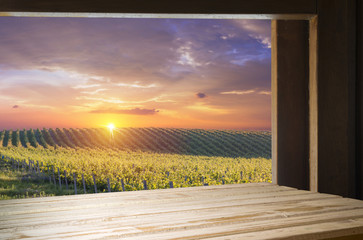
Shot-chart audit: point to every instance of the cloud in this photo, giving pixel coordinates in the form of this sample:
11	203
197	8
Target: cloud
134	111
207	109
95	91
40	94
239	92
200	95
265	92
16	106
86	86
99	99
259	30
135	85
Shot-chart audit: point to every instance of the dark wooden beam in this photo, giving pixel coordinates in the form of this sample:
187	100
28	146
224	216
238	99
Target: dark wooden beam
162	6
336	80
359	94
290	79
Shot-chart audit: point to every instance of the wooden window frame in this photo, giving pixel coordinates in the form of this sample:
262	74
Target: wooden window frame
329	56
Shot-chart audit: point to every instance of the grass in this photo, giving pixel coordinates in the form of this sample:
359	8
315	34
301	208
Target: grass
16	184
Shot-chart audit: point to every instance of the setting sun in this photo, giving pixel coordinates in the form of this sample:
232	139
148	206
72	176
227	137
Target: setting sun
111	126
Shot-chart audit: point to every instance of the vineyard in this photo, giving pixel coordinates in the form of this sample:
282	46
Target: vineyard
138	158
224	143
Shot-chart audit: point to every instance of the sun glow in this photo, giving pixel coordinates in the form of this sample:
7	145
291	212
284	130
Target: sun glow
111	127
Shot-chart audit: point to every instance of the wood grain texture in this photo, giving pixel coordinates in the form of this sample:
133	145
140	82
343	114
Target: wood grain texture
313	104
336	97
238	211
274	102
290	105
162	6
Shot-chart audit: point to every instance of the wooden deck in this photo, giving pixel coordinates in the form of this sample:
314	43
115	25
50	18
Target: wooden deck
239	211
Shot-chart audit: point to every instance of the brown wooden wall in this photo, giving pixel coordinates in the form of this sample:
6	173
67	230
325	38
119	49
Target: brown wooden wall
336	97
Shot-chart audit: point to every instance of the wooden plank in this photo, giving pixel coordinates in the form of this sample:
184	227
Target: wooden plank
313	104
162	6
274	102
336	97
248	224
230	211
152	194
290	106
137	199
162	207
311	232
172	215
138	221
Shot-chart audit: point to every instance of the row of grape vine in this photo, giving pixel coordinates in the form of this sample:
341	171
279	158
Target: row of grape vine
226	143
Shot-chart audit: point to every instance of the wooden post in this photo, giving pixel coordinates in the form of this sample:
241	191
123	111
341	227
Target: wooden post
171	184
313	105
84	184
145	184
48	174
75	183
59	179
122	185
359	106
94	182
65	179
108	185
336	97
290	102
53	176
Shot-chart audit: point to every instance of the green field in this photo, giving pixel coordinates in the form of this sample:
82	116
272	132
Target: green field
138	156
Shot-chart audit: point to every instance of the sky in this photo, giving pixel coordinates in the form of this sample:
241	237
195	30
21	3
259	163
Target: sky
89	72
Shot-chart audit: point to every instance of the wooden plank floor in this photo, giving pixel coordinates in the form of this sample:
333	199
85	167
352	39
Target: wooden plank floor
238	211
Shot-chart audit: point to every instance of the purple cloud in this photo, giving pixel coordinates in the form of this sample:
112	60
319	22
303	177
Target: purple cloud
134	111
16	106
200	95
